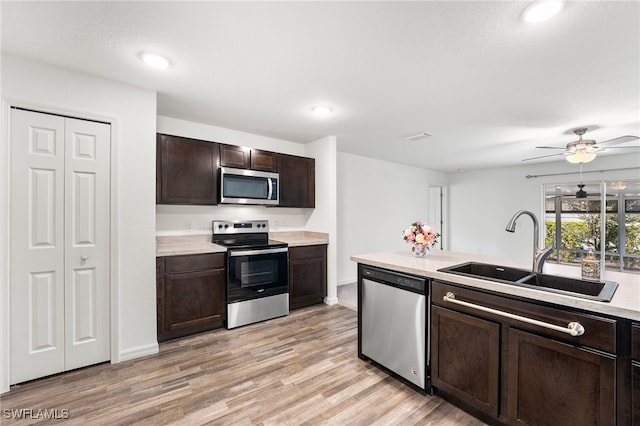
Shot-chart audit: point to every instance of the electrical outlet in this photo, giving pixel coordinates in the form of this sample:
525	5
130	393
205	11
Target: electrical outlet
189	226
276	224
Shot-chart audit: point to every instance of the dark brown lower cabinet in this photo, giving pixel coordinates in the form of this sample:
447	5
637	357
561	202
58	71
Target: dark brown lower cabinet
307	275
190	294
465	358
553	383
635	374
635	392
509	371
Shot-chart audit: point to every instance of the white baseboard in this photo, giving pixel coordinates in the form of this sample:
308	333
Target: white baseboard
330	300
347	281
139	351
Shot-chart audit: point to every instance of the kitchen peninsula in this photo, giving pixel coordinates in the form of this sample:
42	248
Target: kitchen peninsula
502	352
625	302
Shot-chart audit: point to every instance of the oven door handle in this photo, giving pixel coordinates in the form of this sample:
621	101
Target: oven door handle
236	253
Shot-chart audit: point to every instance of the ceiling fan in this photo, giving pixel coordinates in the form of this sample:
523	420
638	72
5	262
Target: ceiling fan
584	150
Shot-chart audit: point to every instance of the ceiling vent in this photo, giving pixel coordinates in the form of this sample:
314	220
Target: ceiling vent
418	136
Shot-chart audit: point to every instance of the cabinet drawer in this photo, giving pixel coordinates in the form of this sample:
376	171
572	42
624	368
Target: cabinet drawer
600	332
193	262
635	341
307	252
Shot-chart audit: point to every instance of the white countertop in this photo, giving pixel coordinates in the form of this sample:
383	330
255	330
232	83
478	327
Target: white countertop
625	302
198	244
186	244
300	238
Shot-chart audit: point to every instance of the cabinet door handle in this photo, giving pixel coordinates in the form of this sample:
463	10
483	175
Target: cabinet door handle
573	328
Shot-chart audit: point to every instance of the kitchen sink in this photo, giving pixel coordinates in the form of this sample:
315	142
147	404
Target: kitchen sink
488	271
593	290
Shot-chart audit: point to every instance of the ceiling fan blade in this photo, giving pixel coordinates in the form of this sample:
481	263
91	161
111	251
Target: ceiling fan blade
619	140
543	156
550	147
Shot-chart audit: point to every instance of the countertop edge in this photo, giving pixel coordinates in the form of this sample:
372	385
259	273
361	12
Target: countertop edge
201	244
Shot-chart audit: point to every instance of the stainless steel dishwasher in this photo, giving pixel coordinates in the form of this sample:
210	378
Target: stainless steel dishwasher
393	328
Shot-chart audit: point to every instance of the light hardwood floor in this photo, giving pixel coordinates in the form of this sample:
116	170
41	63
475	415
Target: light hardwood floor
300	369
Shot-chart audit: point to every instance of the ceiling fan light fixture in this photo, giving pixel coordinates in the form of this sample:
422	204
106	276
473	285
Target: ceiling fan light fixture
580	157
581	192
541	10
619	186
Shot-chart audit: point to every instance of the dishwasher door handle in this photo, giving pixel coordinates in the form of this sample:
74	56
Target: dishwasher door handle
573	328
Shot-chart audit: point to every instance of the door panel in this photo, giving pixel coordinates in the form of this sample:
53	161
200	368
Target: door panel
84	312
42	312
42	209
36	247
84	214
87	245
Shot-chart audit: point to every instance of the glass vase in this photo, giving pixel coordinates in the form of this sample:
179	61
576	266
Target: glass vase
421	250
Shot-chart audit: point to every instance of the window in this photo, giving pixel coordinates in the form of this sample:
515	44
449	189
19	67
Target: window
606	219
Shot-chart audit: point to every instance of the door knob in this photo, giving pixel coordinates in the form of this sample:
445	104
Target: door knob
83	257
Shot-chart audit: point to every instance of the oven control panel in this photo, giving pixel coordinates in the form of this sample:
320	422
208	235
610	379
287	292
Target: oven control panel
225	227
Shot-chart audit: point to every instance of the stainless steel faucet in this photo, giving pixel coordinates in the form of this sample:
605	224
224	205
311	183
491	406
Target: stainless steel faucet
539	254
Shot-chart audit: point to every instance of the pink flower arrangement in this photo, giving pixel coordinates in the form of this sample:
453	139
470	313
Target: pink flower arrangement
420	234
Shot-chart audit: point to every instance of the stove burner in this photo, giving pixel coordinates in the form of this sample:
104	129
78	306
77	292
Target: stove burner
243	234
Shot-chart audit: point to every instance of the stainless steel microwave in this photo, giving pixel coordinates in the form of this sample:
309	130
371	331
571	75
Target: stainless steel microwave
241	186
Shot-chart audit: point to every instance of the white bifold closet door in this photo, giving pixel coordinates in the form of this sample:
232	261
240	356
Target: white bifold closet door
60	244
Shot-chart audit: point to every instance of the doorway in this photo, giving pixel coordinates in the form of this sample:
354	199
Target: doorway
59	196
437	213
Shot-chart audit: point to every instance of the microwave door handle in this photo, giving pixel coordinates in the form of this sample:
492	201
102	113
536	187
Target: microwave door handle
270	184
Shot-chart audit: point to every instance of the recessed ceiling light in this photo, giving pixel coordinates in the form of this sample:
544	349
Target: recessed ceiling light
541	10
154	60
321	110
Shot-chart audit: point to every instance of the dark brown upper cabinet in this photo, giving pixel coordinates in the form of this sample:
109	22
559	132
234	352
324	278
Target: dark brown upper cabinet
186	171
297	181
247	158
264	160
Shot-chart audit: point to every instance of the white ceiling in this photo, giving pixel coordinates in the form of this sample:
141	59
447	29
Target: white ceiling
487	86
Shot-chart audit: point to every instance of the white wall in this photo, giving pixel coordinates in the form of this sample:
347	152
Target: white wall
324	216
377	200
481	202
181	220
132	113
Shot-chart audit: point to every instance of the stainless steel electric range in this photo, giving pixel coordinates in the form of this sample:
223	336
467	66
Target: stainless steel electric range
257	271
